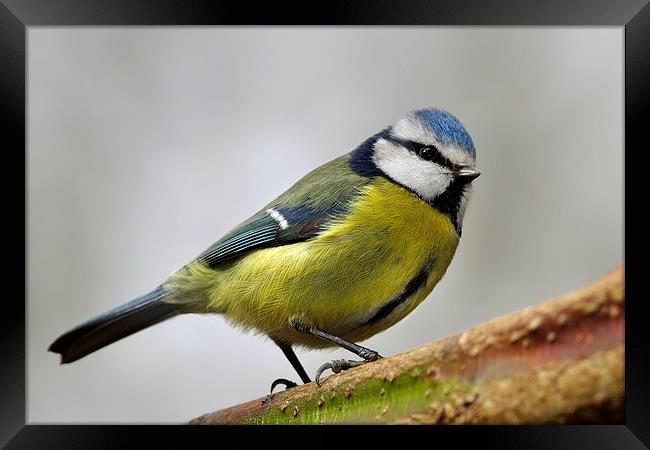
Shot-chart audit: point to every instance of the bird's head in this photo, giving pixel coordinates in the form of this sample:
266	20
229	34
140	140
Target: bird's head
428	152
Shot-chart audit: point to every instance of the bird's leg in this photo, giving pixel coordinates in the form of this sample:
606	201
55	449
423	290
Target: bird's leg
363	352
293	359
339	364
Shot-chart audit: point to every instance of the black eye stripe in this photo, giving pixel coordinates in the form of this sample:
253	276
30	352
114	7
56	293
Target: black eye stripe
416	148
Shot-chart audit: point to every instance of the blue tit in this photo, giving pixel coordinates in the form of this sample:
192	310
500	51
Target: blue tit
346	252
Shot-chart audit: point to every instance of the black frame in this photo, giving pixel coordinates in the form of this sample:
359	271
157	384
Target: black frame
17	15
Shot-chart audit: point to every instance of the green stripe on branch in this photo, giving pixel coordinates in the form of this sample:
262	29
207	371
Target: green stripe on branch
561	361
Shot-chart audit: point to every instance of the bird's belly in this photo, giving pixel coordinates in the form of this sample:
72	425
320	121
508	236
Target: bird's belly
358	277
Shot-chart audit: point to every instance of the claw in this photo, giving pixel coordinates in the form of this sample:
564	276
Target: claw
320	370
288	383
338	365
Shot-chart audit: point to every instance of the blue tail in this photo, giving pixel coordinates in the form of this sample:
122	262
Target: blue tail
113	325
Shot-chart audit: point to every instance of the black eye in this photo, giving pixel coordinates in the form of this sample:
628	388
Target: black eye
427	153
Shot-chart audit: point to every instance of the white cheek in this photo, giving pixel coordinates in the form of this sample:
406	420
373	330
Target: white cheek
425	178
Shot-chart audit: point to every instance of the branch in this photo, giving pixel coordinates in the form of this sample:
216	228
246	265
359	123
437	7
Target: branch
561	361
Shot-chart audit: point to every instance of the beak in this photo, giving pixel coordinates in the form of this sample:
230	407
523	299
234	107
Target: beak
466	173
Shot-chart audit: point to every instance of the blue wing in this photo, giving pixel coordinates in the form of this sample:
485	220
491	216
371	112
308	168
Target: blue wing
280	225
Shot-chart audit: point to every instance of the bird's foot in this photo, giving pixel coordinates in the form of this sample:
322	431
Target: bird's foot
339	365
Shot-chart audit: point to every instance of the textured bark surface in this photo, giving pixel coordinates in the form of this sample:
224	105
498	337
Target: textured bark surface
561	361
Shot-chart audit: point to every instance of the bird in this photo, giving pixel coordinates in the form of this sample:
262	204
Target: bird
346	252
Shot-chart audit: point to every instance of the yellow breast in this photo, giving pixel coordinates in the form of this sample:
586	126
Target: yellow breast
341	279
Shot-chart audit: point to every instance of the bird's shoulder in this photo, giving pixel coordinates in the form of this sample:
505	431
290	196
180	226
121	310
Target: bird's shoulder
330	183
298	214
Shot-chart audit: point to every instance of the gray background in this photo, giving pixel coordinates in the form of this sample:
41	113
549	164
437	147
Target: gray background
146	145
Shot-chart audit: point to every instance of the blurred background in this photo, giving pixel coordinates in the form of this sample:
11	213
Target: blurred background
145	145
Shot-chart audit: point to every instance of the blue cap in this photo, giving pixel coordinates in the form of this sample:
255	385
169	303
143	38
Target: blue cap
447	129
